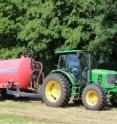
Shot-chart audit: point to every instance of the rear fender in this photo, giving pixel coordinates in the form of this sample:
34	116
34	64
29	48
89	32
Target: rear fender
72	80
68	75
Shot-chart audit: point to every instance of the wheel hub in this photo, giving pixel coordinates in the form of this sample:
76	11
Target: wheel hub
53	91
92	97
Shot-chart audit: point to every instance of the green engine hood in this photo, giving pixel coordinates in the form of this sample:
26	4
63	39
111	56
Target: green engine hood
103	72
106	78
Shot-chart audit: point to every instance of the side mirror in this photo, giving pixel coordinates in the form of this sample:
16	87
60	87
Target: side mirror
101	59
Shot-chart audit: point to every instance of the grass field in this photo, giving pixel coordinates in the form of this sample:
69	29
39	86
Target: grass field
35	112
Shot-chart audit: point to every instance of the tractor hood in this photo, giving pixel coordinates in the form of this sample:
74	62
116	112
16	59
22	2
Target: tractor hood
103	72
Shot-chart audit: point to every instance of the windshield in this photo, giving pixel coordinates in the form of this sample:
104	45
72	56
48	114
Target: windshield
77	62
70	61
85	60
73	61
94	61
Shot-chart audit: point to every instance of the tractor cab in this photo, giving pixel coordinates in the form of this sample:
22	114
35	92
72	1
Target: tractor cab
78	79
77	62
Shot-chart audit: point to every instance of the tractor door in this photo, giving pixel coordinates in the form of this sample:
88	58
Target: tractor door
70	62
88	62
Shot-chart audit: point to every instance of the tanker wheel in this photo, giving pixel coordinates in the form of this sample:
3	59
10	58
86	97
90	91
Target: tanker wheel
114	101
93	97
56	90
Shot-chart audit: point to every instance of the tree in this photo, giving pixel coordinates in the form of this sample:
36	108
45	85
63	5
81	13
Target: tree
49	25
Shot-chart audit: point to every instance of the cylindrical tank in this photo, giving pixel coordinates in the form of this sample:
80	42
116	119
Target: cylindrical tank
17	71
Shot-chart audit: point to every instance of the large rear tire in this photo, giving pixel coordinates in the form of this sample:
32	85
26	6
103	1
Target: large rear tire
56	90
93	97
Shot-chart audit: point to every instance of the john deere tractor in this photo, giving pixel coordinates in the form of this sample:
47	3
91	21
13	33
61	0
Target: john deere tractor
78	79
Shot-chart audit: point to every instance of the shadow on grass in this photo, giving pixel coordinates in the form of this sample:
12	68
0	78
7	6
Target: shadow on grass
107	107
20	99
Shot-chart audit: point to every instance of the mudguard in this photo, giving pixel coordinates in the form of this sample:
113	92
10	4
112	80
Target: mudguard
73	81
67	74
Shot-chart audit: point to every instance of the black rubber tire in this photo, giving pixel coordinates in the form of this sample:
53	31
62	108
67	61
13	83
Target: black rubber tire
114	101
100	94
65	90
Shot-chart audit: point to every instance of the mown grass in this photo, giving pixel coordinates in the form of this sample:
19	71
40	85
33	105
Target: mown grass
35	112
12	119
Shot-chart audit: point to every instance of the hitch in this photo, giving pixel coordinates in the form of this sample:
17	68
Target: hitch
14	90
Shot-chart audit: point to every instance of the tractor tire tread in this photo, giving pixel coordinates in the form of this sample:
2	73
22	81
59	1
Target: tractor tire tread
65	87
101	94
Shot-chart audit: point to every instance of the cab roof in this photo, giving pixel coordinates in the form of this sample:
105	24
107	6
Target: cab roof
71	51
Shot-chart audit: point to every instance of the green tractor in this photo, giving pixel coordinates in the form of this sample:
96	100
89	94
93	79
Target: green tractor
78	79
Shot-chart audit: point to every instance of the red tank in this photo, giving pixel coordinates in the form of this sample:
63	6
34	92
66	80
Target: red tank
17	71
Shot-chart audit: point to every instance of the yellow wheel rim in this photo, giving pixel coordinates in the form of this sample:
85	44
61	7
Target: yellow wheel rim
92	98
53	91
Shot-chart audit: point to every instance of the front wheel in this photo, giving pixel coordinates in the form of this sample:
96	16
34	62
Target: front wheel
56	90
93	97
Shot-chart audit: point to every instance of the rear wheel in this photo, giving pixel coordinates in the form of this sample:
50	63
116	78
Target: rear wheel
56	90
93	97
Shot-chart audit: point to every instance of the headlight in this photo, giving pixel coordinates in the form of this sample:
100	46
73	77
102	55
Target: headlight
112	79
